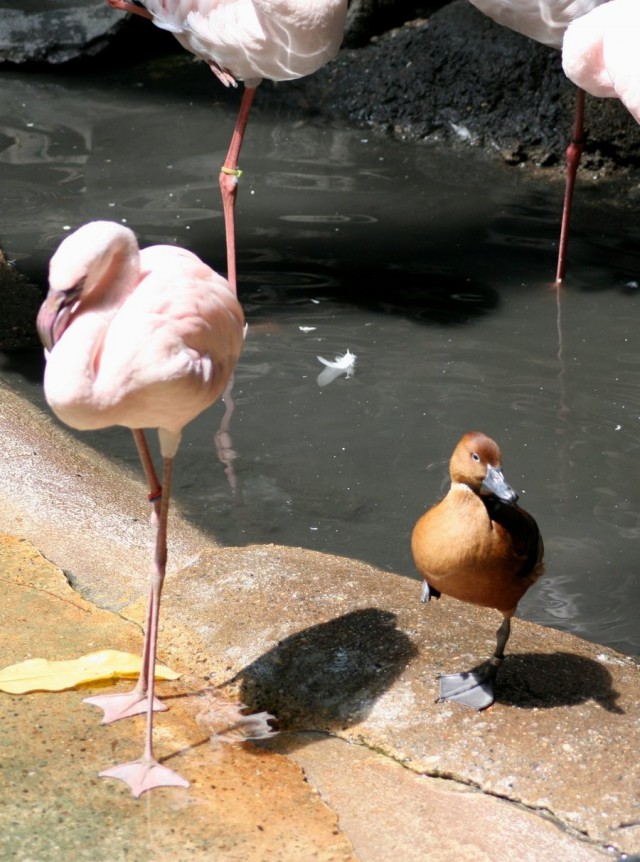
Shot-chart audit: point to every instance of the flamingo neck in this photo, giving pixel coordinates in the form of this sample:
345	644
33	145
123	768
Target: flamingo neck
72	373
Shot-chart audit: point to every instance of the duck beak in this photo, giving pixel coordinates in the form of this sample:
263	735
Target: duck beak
494	483
53	317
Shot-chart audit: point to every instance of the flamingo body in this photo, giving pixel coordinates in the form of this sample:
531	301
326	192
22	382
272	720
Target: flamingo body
545	21
150	342
143	339
479	546
249	40
600	53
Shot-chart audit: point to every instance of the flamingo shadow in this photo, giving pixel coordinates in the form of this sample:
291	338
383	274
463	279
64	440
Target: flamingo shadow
328	675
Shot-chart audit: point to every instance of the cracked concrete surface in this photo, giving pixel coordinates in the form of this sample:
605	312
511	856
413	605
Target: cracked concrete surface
366	766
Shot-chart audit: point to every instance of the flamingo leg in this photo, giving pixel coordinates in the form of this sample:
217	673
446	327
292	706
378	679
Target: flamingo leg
116	706
228	179
146	773
573	155
155	488
128	6
229	173
475	688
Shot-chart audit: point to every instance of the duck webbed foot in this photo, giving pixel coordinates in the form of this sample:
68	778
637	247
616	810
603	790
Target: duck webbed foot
473	688
428	592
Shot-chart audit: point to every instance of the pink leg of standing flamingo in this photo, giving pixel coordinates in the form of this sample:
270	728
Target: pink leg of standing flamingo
574	154
128	6
229	175
117	706
146	773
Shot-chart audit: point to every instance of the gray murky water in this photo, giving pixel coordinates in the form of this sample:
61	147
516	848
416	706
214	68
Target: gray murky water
432	267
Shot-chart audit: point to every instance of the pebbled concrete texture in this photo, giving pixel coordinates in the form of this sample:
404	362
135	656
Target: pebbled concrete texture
243	804
392	813
349	650
366	765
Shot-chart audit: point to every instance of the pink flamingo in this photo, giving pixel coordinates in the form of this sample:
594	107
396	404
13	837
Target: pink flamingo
546	21
600	53
248	40
144	339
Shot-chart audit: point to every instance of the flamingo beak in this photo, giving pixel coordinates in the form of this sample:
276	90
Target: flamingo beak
53	317
494	483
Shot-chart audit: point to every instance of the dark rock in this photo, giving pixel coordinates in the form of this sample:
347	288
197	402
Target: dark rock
369	18
19	303
458	76
55	32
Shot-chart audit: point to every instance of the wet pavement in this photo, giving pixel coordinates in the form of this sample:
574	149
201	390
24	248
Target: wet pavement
366	766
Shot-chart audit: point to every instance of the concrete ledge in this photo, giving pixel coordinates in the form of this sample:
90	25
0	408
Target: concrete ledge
333	646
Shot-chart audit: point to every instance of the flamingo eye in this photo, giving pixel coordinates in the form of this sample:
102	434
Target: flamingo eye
475	456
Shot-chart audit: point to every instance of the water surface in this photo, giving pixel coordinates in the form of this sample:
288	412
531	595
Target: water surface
432	266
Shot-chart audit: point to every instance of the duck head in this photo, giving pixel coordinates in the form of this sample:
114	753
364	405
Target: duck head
477	463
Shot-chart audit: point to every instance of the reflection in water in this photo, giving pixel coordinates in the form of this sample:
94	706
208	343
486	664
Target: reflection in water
564	407
433	268
222	438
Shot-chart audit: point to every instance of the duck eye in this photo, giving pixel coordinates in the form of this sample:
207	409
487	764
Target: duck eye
475	456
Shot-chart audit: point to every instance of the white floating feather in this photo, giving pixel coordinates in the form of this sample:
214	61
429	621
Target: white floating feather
344	364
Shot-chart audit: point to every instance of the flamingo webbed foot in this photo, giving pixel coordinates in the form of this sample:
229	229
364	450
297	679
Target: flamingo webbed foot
143	774
117	706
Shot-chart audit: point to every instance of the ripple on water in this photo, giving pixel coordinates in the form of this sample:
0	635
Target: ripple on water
433	268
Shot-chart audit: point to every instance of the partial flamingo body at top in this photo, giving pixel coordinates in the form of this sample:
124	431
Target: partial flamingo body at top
545	21
248	40
601	53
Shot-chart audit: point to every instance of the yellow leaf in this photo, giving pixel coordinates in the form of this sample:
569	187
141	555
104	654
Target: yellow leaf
40	674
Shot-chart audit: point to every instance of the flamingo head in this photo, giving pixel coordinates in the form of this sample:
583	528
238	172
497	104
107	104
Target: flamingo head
55	313
97	259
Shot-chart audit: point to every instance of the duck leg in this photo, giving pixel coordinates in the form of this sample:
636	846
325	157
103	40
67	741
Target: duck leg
428	592
475	688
